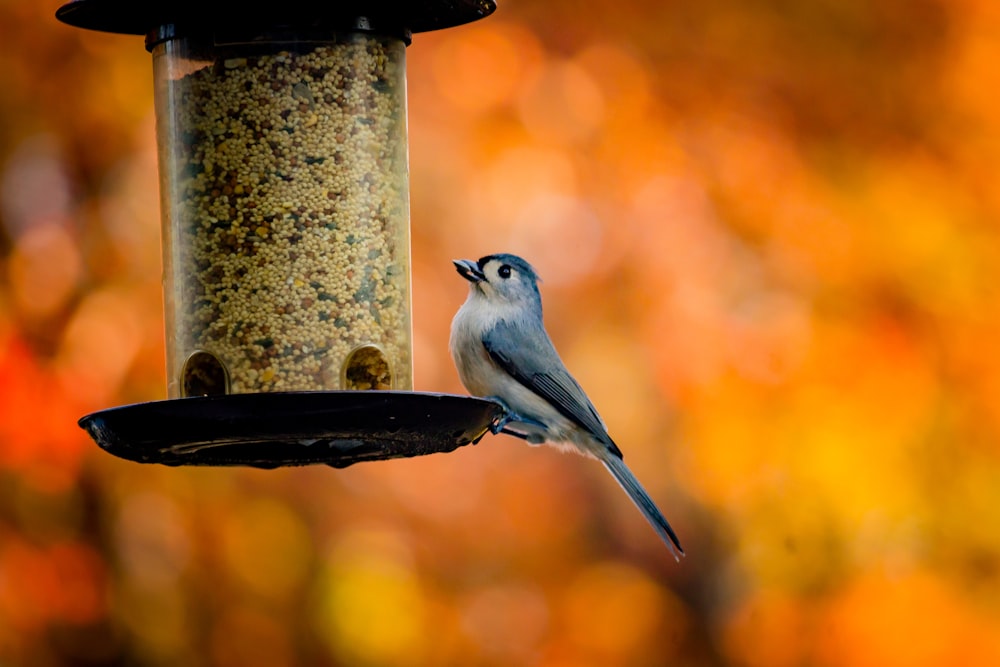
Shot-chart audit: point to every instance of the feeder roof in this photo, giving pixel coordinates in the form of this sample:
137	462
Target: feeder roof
135	17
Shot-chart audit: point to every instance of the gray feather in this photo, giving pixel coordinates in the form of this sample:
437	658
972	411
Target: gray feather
642	500
548	377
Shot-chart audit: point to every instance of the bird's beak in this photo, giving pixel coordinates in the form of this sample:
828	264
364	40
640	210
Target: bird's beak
468	270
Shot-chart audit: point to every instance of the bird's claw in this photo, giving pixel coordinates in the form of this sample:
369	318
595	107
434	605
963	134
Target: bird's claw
506	416
499	425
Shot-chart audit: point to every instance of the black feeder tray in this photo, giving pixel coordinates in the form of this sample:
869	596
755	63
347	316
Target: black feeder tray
274	429
336	428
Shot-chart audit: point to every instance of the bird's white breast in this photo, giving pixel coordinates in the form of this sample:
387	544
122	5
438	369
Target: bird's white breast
477	371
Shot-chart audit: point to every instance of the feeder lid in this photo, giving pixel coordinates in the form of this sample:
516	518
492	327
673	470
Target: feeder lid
336	428
133	17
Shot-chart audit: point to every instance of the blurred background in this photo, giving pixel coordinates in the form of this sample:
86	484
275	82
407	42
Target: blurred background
768	237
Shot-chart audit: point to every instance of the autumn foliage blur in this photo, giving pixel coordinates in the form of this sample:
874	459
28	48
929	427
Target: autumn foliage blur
768	237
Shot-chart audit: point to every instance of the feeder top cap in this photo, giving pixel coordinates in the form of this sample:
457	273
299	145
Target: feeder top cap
134	17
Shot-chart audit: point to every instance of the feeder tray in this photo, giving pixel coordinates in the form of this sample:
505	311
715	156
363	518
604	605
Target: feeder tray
336	428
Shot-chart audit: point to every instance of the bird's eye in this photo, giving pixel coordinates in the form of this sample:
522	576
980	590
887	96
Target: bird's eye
504	272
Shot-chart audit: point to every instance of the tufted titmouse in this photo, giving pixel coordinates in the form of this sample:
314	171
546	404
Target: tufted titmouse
501	350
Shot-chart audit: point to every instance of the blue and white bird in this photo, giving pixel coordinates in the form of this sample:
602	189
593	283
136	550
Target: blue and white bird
502	351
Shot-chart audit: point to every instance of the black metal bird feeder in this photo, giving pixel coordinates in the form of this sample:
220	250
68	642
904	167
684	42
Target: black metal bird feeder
286	245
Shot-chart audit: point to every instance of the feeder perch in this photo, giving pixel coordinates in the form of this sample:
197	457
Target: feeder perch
284	186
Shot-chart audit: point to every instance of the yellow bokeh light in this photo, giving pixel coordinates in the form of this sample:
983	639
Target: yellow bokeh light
267	546
369	607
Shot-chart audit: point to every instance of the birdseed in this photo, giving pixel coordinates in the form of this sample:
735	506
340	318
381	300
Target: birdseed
289	239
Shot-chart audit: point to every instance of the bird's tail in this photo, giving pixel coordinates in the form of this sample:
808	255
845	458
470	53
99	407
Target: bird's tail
642	500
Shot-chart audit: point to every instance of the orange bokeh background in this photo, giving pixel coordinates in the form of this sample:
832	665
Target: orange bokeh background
768	238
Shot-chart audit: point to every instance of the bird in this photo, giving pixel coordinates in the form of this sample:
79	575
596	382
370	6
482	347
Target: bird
502	352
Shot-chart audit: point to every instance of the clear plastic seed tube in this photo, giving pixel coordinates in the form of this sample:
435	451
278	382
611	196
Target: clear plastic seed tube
284	182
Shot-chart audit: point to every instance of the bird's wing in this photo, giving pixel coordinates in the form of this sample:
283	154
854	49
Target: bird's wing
548	377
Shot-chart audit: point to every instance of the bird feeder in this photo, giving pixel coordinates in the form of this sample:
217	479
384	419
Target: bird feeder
284	187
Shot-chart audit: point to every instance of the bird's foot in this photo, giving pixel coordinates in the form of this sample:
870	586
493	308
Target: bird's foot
505	418
500	424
